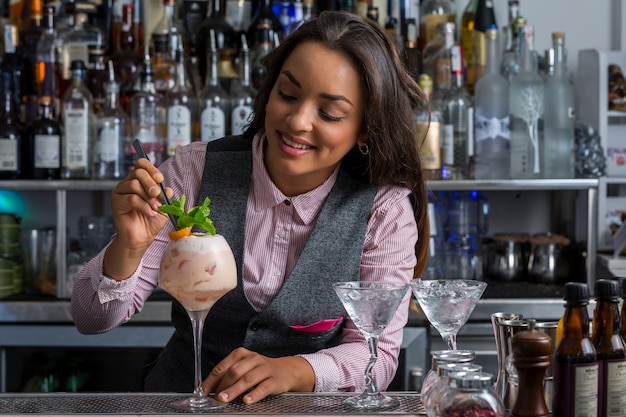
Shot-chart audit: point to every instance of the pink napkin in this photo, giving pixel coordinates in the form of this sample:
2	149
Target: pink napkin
320	326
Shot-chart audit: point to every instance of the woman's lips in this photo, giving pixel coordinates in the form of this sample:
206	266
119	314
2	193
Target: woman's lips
295	145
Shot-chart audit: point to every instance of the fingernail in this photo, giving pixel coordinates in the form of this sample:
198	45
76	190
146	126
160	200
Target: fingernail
247	399
223	396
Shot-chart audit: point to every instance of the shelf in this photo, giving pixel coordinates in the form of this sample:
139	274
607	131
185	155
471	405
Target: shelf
56	185
515	185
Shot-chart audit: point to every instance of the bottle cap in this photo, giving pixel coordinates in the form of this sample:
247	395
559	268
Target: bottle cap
576	293
77	64
471	380
607	290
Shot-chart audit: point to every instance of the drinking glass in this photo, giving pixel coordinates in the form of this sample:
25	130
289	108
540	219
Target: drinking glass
447	303
197	270
371	306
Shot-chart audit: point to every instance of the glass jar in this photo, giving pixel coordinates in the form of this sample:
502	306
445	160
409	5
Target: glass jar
440	357
470	394
441	385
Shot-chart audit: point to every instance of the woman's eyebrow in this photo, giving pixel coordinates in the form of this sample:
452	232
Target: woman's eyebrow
327	96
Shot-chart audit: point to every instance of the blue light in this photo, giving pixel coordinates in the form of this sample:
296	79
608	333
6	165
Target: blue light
13	202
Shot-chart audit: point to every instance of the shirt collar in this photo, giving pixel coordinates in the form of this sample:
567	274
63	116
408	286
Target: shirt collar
265	195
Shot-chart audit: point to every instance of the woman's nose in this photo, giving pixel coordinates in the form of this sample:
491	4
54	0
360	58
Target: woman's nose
300	118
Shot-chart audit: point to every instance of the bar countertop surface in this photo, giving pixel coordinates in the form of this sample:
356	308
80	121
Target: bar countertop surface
158	404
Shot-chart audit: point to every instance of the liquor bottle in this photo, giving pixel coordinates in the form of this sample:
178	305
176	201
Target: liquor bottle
10	140
77	39
485	18
467	40
95	77
170	27
180	103
11	67
227	42
147	118
214	102
30	33
457	138
559	120
491	117
243	94
48	61
432	13
511	56
44	138
610	349
576	369
428	133
163	66
138	28
412	54
194	12
526	113
443	65
78	125
298	16
263	45
111	125
265	12
239	14
126	59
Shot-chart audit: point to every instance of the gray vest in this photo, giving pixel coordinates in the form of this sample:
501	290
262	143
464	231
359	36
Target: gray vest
332	253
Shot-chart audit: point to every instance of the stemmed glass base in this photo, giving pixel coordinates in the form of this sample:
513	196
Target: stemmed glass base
376	401
198	404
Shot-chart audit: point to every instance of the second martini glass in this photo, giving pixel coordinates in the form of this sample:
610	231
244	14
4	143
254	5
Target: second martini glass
447	303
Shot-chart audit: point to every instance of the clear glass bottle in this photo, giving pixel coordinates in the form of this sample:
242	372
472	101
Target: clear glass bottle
111	125
44	137
485	18
147	119
559	117
263	45
214	102
180	103
78	126
431	14
11	67
48	60
95	77
239	14
428	133
411	53
576	368
510	65
170	27
610	348
458	118
243	94
526	113
470	393
442	60
163	66
491	117
126	59
11	146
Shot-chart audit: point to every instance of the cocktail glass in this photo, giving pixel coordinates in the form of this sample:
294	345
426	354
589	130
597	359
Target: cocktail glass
447	303
197	270
371	306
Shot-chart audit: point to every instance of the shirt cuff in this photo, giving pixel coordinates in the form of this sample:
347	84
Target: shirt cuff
326	372
109	289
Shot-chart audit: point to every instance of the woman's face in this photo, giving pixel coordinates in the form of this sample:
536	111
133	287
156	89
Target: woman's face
314	115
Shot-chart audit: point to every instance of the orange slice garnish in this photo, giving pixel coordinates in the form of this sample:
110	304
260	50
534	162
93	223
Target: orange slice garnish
180	233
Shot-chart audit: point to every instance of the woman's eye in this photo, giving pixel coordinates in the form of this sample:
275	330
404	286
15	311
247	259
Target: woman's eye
285	96
330	117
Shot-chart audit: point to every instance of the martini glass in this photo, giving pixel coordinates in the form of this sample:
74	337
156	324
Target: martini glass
371	306
447	303
197	270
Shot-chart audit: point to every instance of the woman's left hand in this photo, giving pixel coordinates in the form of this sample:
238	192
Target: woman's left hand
257	376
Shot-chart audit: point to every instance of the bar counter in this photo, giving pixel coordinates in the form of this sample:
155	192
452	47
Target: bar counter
158	404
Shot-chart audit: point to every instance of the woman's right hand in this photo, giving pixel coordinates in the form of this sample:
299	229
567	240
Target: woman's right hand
135	201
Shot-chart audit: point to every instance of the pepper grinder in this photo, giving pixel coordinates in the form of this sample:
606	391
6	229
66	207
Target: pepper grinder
532	351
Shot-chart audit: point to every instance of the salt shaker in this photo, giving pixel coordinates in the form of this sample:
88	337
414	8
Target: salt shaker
532	352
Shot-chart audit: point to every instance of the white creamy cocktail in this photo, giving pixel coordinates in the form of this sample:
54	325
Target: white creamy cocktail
197	270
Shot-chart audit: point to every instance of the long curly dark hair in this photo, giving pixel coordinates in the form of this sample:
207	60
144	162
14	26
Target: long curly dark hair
391	97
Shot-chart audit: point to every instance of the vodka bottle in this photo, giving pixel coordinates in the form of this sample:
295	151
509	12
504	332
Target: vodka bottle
147	117
111	124
484	19
180	103
491	117
214	101
558	123
526	113
428	131
458	119
243	94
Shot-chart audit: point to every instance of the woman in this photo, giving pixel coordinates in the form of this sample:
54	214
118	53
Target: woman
325	185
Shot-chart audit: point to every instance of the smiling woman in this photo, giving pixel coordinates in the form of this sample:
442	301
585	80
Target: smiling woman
325	185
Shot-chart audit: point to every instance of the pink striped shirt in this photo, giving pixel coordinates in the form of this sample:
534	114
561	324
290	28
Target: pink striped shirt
275	236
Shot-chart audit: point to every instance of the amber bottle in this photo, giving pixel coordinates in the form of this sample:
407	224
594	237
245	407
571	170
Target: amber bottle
610	349
576	368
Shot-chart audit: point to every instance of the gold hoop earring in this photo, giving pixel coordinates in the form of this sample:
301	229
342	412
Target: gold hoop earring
364	149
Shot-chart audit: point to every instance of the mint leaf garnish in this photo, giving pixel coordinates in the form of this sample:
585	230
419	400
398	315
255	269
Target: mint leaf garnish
197	216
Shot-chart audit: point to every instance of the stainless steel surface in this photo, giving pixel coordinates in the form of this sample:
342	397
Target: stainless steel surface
125	404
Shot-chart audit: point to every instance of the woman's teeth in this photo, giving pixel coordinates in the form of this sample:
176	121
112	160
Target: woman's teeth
294	144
